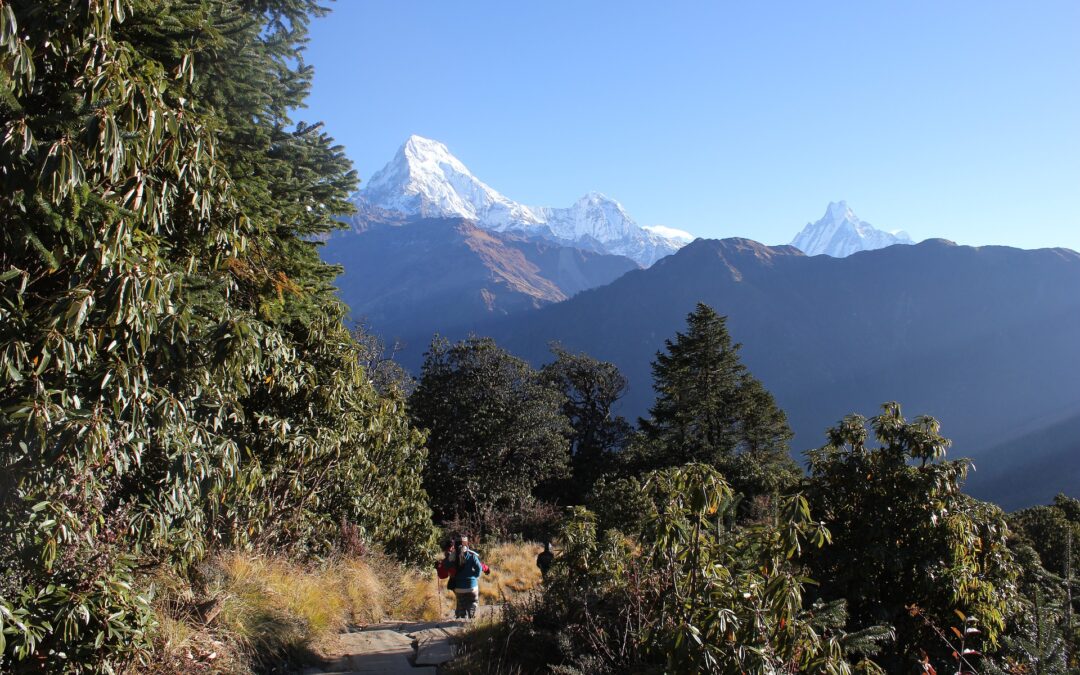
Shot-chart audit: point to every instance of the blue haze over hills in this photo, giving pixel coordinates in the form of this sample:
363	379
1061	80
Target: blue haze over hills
984	338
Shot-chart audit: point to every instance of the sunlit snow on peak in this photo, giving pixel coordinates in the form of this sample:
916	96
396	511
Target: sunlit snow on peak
425	179
840	233
670	232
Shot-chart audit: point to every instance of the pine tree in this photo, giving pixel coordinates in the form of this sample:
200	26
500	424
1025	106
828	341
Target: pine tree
710	409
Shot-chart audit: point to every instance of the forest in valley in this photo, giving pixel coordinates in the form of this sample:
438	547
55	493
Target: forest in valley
178	383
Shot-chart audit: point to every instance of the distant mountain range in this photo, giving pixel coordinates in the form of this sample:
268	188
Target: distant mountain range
839	233
985	339
433	248
424	180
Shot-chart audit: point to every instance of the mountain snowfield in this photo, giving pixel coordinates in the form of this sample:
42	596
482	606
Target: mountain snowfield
840	233
425	180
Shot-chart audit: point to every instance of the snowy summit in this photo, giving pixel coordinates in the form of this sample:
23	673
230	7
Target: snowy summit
425	180
840	233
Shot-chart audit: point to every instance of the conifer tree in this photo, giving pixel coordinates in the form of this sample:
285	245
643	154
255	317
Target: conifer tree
710	409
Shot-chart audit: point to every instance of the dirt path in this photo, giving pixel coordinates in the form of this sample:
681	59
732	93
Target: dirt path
395	647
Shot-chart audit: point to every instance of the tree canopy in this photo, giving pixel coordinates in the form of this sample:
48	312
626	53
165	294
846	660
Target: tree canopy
174	372
905	536
591	389
496	428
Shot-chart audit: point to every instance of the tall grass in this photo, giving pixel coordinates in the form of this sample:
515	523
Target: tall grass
513	571
244	611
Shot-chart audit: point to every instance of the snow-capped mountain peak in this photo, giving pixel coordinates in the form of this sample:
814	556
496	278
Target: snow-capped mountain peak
425	179
840	211
595	215
840	233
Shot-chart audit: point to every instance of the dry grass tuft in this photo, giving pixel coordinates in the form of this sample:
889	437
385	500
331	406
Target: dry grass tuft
251	611
513	570
273	606
424	596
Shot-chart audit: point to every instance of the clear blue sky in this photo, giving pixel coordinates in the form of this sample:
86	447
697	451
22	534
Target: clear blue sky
951	119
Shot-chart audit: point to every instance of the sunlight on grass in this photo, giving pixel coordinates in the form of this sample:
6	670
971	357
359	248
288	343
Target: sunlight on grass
513	570
266	608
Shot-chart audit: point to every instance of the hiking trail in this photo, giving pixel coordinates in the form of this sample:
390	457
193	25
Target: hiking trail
396	647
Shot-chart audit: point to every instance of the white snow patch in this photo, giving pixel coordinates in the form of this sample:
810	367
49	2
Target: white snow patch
669	232
425	179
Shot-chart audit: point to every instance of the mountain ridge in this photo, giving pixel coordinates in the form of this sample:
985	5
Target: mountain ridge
441	274
424	179
983	338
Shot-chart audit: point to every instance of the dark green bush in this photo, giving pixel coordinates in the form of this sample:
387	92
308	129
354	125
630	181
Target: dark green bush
174	372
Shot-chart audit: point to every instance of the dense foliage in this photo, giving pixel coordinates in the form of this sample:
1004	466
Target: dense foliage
497	430
905	536
693	591
174	373
1044	636
663	573
598	434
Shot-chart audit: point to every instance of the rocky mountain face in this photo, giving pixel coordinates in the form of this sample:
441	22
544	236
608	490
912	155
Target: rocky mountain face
424	180
985	339
407	280
840	233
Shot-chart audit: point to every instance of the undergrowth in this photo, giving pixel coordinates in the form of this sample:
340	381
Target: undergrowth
242	612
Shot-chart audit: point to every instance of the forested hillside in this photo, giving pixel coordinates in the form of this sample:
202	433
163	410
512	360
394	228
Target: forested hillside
983	338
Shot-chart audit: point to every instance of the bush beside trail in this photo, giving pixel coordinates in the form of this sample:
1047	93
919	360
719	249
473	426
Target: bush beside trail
175	376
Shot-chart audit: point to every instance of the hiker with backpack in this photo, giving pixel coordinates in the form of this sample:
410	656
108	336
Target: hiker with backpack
545	559
462	567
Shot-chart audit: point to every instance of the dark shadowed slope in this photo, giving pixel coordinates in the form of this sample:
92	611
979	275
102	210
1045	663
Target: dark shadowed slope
985	339
1034	467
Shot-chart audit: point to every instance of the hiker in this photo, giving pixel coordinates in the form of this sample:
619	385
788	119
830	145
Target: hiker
922	666
544	560
462	566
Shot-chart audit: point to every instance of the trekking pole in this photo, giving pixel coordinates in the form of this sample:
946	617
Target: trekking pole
438	594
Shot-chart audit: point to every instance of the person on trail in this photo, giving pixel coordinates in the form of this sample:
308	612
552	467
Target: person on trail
544	560
462	566
922	665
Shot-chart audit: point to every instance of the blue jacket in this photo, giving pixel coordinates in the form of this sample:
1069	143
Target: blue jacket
468	572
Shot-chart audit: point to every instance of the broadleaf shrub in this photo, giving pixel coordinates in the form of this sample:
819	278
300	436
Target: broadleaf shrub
175	377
